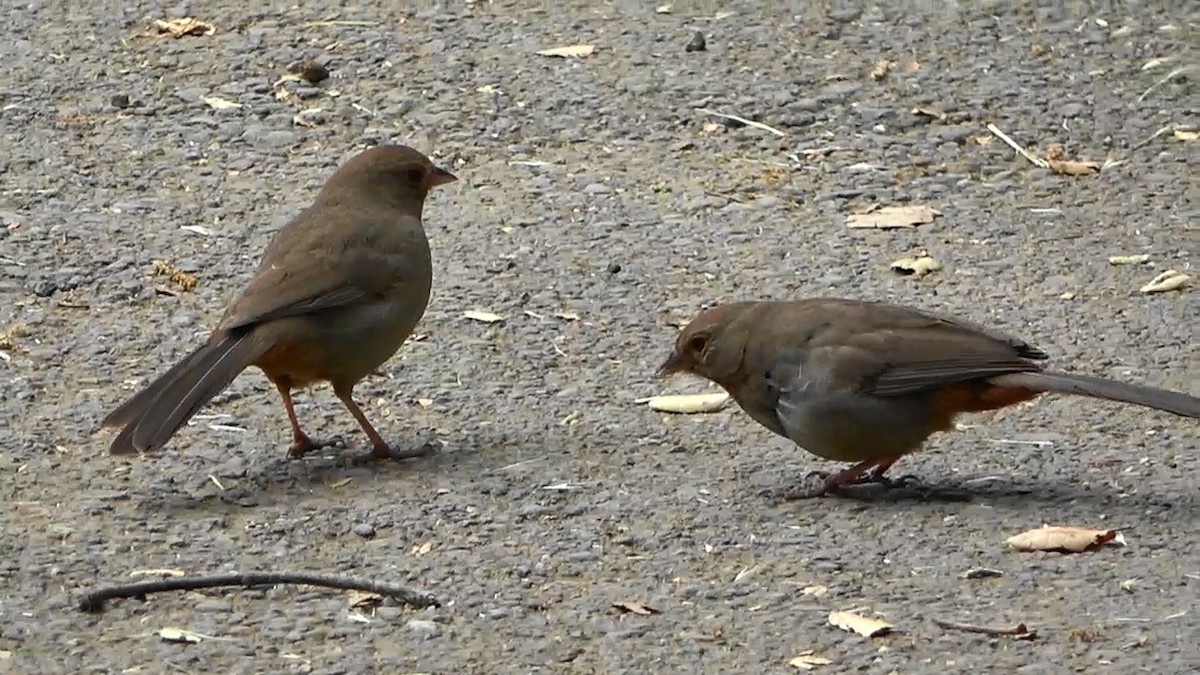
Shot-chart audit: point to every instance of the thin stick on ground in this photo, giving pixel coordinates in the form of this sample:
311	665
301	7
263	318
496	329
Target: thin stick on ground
743	120
1034	159
95	601
1166	78
1016	631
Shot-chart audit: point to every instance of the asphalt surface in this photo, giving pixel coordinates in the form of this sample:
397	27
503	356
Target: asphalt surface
597	210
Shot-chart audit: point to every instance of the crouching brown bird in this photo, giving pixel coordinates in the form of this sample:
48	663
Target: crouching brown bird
868	382
339	289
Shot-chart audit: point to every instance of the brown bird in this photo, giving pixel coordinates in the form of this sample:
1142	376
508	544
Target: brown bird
868	382
339	289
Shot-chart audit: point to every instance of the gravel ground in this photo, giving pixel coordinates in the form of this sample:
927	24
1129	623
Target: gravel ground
597	210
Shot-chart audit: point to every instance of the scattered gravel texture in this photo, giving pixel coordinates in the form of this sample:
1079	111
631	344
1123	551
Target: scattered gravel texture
597	210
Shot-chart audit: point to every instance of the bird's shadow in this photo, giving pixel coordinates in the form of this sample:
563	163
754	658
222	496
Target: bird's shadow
256	482
1008	496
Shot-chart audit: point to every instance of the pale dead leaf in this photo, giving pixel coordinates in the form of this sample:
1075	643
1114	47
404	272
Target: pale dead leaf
1171	280
635	607
1154	63
856	623
343	482
173	634
662	9
1063	539
424	402
930	112
1185	135
422	549
917	266
687	404
157	572
1128	259
816	590
882	68
486	317
218	103
577	51
363	599
187	25
1128	585
808	661
893	217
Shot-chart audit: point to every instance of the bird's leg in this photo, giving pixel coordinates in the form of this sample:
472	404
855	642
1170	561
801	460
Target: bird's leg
379	447
301	443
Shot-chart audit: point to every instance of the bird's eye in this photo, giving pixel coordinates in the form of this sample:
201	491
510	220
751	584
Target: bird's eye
697	343
415	175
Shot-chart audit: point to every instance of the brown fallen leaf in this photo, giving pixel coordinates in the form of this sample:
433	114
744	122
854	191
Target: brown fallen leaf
1063	539
184	26
881	68
635	607
856	623
1056	158
577	51
917	266
363	599
688	404
1171	280
893	217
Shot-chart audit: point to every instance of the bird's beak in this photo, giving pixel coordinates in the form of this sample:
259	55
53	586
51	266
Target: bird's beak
441	177
674	364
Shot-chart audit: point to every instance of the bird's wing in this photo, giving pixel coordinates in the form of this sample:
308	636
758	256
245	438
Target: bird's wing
326	259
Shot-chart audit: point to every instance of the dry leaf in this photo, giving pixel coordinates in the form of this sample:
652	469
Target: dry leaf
187	25
635	607
424	402
1171	280
172	634
1063	539
1056	158
1128	259
422	549
686	404
856	623
930	112
893	217
882	68
918	266
1186	135
567	316
662	9
486	317
815	590
1071	168
159	572
363	599
1154	63
218	103
578	51
807	661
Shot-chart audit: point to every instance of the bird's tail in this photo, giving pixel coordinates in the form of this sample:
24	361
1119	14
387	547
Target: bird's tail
154	414
1097	387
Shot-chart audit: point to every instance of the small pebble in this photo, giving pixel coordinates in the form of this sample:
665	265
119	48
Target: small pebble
697	43
120	101
310	70
613	268
363	530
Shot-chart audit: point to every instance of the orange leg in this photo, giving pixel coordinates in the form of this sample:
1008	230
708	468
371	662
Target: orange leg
301	443
379	447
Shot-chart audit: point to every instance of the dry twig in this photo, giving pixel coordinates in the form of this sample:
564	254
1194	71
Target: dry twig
743	120
94	602
1019	631
1034	159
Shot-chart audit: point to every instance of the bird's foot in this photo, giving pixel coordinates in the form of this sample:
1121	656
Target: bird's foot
908	480
386	452
303	445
